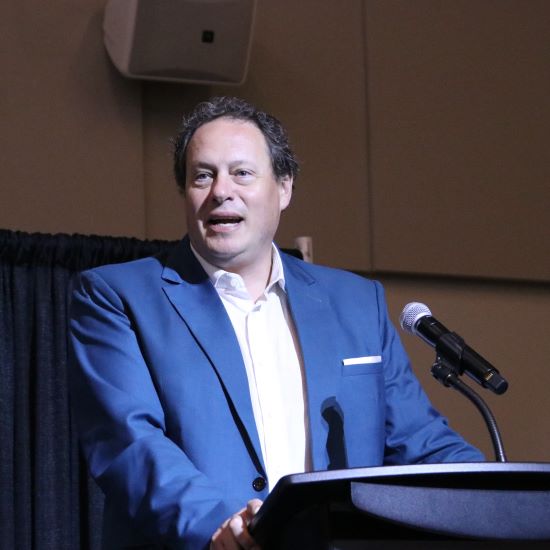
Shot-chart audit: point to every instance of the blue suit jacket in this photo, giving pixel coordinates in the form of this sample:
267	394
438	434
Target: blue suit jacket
162	404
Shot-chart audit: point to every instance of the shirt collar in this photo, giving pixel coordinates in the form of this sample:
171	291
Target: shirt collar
228	281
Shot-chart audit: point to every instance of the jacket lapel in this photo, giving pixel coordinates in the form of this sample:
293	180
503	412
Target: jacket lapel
198	304
314	322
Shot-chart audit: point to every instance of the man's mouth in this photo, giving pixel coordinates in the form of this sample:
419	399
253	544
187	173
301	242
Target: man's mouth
224	220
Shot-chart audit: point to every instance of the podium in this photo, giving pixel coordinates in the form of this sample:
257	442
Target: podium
461	505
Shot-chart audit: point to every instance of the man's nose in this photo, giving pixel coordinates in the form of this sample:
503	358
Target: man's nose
222	188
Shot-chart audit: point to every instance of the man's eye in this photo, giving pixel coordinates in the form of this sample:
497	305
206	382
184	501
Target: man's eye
242	173
203	177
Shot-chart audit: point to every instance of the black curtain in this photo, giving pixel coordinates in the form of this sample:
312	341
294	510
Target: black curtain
47	500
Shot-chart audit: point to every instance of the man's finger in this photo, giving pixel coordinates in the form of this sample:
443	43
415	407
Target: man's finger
253	506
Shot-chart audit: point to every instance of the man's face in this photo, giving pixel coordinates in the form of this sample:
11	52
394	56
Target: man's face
233	200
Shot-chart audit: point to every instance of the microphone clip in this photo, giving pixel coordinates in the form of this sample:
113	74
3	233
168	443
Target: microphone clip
450	349
444	371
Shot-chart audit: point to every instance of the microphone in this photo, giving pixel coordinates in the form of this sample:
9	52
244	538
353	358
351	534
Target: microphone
416	318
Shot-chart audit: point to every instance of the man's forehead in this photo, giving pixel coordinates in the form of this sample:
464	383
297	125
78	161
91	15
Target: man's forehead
225	132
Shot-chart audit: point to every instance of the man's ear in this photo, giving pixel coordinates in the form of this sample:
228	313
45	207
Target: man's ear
285	191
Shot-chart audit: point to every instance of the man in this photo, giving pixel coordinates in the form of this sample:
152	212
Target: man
202	377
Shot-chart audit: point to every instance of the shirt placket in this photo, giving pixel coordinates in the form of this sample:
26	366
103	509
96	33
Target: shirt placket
259	354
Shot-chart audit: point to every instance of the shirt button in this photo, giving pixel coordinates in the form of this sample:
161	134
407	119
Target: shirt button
259	484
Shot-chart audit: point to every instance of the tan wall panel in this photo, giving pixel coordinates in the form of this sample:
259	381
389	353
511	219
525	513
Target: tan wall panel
459	124
71	127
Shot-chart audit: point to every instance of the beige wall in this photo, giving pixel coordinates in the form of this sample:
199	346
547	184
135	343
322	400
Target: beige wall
87	151
71	127
458	93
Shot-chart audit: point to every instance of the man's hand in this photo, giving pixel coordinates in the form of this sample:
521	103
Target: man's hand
233	534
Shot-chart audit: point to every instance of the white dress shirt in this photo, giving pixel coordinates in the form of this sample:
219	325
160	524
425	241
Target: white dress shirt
271	354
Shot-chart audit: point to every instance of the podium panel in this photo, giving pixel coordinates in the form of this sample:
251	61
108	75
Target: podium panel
481	505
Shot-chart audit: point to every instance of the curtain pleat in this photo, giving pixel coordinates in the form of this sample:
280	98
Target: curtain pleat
47	499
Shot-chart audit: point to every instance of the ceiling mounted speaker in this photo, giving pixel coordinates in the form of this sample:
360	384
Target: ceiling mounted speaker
200	41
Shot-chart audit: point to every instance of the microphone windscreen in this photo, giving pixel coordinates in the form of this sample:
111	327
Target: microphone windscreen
411	314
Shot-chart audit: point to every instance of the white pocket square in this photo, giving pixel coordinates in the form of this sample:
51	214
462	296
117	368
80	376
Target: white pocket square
368	359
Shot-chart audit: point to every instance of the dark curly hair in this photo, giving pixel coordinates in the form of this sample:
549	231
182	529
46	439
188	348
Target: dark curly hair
283	159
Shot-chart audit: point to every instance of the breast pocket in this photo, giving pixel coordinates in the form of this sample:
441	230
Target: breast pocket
369	364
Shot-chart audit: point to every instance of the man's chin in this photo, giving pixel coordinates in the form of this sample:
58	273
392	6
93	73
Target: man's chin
221	256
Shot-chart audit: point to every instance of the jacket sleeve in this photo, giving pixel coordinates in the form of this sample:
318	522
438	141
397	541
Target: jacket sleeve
415	432
121	424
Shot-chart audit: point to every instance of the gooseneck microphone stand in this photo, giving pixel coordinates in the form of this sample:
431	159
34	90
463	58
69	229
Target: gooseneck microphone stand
443	371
